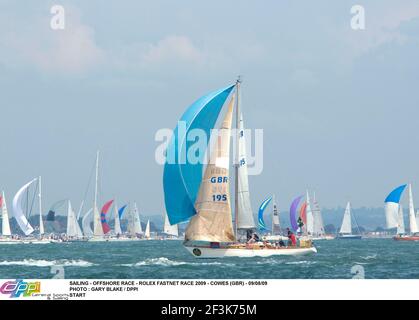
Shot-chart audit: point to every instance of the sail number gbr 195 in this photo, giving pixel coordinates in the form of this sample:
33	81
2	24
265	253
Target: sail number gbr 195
219	197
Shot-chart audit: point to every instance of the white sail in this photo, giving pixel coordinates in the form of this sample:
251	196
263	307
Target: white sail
400	226
117	221
417	218
310	218
346	227
41	222
18	210
245	215
412	215
213	221
73	228
134	222
87	229
276	225
318	219
5	226
169	229
147	234
97	223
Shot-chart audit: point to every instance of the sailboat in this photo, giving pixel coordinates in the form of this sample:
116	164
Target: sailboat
205	200
171	232
86	224
135	230
6	233
413	227
318	223
346	228
21	217
275	234
147	234
74	232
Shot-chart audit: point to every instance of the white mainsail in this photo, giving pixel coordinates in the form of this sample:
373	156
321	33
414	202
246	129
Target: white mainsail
18	210
87	229
5	226
134	222
310	218
73	228
245	219
346	227
276	225
117	221
41	222
97	223
5	217
400	226
169	229
147	234
412	216
213	221
318	219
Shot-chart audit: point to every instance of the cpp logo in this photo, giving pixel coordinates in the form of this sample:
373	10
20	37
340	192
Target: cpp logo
20	288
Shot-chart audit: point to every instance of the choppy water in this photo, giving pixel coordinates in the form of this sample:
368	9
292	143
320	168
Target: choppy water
376	258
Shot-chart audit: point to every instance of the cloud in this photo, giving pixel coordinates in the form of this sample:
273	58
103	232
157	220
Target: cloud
72	50
173	49
382	26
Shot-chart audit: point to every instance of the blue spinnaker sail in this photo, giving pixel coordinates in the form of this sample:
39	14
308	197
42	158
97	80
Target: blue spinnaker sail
262	225
182	177
121	211
396	194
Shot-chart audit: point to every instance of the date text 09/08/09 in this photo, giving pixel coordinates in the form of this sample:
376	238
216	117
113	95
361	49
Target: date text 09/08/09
210	310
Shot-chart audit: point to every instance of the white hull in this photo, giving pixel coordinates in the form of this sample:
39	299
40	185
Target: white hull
214	253
275	238
322	238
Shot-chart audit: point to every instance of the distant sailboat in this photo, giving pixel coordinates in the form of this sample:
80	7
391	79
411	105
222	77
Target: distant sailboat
73	228
18	211
346	228
117	221
261	220
275	234
134	222
86	224
5	226
204	199
413	227
169	230
147	234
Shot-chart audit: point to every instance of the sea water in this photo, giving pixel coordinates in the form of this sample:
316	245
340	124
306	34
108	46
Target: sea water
337	259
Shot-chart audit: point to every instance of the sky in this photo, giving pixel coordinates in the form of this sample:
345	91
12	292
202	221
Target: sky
339	107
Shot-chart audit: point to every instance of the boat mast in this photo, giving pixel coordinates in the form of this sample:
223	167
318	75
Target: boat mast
237	164
96	180
41	223
273	214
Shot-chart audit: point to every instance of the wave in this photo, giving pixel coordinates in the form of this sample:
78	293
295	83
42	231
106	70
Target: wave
47	263
372	257
276	261
165	262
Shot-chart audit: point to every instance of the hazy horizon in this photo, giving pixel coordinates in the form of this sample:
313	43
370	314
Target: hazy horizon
339	107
